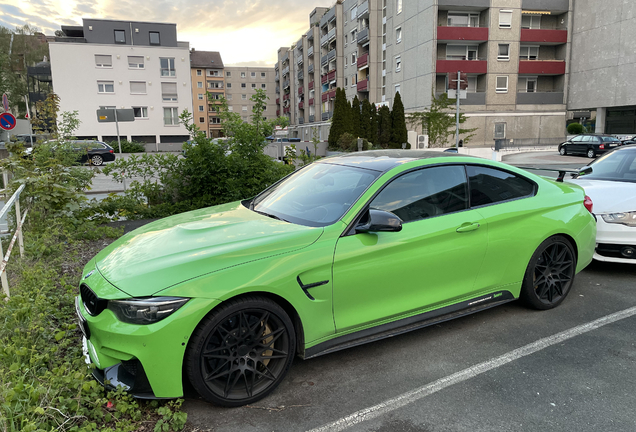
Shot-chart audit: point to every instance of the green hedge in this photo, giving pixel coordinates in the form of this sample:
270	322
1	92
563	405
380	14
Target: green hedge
128	146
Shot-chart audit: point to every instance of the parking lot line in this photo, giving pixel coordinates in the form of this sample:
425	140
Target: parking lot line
466	374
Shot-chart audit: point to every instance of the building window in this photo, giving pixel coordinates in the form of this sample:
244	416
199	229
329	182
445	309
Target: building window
215	120
244	108
230	108
103	61
253	85
500	130
229	85
215	85
354	13
229	97
262	74
398	35
528	52
213	73
461	52
242	74
120	36
201	119
138	87
154	38
354	79
353	35
346	39
353	58
200	96
201	108
199	84
199	72
398	6
527	84
140	112
398	63
263	86
169	92
346	81
504	52
167	67
107	107
253	74
530	21
170	116
244	97
502	84
243	85
505	19
463	19
397	89
105	86
228	74
136	62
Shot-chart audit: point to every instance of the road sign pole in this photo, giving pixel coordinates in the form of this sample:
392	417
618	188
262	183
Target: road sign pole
26	101
117	126
457	114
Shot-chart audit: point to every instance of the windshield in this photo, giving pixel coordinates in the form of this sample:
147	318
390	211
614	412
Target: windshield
610	139
619	165
317	195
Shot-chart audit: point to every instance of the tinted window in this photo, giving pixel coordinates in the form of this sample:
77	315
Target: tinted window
610	139
577	138
489	185
120	36
425	193
587	139
154	38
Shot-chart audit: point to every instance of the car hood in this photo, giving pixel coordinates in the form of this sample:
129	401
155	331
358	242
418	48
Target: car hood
172	250
609	196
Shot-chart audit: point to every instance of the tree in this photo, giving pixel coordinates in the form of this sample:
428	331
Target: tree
339	121
399	134
439	122
575	128
365	121
355	118
384	126
373	128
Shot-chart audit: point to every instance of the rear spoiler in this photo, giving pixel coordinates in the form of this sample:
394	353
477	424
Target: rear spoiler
562	171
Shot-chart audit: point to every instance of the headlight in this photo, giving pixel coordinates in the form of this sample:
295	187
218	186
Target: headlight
627	218
145	310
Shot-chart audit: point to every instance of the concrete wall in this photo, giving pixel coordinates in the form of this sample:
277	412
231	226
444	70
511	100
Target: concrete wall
236	92
604	78
103	32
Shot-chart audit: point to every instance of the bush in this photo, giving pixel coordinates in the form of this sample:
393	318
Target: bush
128	146
575	128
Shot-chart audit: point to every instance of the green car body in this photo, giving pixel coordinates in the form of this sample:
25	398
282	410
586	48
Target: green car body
338	286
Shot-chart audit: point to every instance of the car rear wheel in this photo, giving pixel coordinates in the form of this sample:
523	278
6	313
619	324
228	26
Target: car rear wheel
591	153
549	275
241	351
563	151
97	160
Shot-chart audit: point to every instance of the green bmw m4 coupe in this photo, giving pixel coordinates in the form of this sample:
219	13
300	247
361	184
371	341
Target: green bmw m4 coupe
342	252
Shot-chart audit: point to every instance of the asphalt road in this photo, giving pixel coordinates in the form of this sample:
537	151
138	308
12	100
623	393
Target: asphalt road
504	369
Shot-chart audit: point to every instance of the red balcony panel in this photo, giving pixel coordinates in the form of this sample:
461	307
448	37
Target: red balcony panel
363	60
285	97
332	94
311	101
301	90
363	85
325	97
463	33
466	66
542	67
546	36
332	75
277	113
301	105
324	79
277	101
311	85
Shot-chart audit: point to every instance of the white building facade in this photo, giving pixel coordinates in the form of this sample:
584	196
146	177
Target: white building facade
117	64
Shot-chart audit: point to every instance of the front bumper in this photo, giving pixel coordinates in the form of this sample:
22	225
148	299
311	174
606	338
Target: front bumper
615	243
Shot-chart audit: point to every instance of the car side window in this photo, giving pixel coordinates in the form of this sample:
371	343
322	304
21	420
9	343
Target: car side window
425	193
577	139
490	185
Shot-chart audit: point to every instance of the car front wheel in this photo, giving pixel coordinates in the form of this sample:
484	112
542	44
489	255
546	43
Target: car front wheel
563	151
549	275
241	351
97	160
591	153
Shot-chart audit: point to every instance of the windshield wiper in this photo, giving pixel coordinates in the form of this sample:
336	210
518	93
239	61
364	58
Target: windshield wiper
273	216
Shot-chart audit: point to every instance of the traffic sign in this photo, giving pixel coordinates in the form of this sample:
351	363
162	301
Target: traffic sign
5	102
7	121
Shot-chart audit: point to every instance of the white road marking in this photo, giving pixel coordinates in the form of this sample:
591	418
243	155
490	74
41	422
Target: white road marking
466	374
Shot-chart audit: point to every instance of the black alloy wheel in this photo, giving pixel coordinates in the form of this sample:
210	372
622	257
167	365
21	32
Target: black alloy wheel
241	351
97	160
550	274
563	151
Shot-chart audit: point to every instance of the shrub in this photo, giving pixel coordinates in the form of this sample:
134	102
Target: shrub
575	128
128	146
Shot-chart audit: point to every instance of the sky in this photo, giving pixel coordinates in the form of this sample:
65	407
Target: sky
245	32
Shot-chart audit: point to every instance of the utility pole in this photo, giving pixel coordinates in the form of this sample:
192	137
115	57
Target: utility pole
459	81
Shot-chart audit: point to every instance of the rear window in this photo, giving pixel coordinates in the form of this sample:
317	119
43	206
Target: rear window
610	139
490	186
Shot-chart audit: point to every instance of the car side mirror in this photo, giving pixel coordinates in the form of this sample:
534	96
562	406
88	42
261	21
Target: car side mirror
379	221
585	170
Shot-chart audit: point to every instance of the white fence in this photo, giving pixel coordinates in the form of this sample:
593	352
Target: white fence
13	201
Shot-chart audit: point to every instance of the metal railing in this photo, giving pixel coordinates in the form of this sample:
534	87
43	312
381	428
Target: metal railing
13	201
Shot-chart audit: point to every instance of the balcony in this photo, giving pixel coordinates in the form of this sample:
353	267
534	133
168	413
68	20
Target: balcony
301	90
286	110
324	79
312	118
276	78
285	57
327	37
363	86
331	76
299	60
479	34
310	68
286	84
310	33
544	36
466	66
331	54
277	113
540	67
310	51
301	75
332	94
301	120
363	60
325	97
363	35
299	44
363	10
310	86
301	105
331	14
286	97
311	101
277	101
540	98
327	115
286	71
542	5
277	89
324	60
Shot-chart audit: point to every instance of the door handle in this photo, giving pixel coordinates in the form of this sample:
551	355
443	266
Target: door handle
467	227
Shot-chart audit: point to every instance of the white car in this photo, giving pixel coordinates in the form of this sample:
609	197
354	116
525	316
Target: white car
610	181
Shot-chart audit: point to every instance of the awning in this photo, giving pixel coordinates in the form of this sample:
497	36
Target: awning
529	12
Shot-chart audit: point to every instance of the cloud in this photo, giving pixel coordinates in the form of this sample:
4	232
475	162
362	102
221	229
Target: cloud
244	31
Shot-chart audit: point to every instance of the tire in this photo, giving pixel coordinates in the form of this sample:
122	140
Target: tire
591	153
241	351
563	151
550	274
97	160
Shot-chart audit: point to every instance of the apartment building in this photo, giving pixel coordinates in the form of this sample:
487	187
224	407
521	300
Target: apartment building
513	51
124	64
206	73
241	84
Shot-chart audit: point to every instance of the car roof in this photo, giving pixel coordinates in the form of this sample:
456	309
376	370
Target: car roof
385	160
